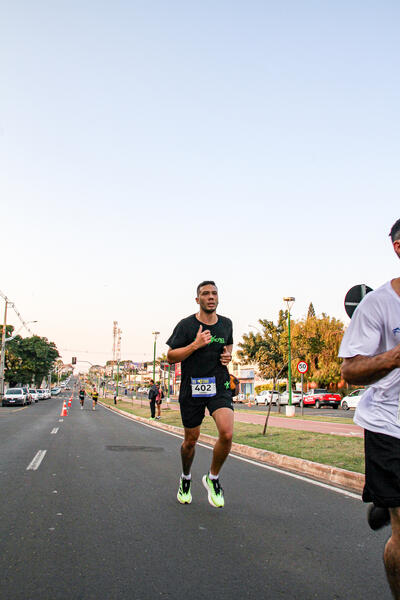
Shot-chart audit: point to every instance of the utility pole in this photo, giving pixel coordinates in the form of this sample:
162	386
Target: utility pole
155	333
118	355
3	351
115	331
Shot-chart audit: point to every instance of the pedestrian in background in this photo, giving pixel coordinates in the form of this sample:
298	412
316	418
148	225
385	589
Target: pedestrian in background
159	400
153	393
95	397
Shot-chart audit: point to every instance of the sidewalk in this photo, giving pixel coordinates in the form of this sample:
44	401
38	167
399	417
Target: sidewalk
346	429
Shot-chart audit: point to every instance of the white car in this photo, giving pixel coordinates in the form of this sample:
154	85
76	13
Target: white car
284	398
34	394
352	400
264	397
15	396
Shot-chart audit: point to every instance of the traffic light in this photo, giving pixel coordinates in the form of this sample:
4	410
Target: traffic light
74	360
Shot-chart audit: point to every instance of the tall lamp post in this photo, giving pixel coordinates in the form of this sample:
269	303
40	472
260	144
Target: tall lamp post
155	333
289	300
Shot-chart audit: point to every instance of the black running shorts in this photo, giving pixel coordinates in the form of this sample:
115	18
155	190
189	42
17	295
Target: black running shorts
194	409
382	469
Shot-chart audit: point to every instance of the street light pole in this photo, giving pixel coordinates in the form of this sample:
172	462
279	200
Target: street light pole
155	333
289	303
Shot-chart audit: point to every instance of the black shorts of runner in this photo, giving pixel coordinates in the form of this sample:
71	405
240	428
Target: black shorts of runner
193	410
382	469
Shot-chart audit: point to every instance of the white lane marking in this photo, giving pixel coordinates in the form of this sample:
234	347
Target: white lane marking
37	459
255	463
60	420
54	430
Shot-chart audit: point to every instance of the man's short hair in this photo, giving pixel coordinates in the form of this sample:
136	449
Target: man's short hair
395	231
204	283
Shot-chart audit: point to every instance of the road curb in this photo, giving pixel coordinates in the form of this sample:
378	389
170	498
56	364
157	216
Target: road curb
341	478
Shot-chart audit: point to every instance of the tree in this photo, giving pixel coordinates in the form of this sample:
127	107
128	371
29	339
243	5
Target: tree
317	340
29	360
267	349
311	311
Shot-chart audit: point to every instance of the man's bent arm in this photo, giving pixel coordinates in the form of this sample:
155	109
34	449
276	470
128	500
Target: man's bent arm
363	370
180	354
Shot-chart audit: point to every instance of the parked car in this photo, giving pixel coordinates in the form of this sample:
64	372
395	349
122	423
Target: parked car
14	397
321	397
352	399
245	397
42	394
284	398
264	397
55	391
34	394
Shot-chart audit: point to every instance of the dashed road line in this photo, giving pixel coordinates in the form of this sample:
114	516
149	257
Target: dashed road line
54	430
37	459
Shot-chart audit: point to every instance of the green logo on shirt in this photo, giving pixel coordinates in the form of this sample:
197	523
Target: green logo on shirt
218	340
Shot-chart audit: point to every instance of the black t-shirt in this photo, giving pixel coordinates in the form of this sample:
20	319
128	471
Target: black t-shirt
204	362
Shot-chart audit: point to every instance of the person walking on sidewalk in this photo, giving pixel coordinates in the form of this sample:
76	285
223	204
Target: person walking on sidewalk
203	344
153	393
371	352
159	399
95	397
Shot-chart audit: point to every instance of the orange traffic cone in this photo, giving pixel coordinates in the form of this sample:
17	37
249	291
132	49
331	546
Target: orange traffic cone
70	402
64	412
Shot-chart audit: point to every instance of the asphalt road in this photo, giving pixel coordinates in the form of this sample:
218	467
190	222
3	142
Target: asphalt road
98	519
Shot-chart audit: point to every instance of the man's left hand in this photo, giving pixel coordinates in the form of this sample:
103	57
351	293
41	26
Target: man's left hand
226	356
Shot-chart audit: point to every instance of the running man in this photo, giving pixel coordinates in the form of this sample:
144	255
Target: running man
371	352
95	397
82	397
203	344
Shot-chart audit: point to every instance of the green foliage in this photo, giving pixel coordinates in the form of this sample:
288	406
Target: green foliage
29	360
314	339
317	340
267	349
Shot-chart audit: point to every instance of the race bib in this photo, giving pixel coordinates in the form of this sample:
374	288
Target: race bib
203	387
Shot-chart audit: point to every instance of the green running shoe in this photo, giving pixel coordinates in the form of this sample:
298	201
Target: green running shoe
184	494
215	491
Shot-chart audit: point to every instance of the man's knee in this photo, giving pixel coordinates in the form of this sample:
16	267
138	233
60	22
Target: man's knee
190	439
226	436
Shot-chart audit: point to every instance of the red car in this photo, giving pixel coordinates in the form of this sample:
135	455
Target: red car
319	397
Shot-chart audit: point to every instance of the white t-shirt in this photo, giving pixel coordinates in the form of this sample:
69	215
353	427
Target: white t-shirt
374	329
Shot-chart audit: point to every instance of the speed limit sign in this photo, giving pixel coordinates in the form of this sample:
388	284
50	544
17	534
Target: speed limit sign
302	367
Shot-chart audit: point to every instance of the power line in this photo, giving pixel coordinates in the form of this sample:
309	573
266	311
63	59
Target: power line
16	311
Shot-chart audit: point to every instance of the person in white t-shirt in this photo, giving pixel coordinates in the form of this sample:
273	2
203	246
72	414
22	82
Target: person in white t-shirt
371	352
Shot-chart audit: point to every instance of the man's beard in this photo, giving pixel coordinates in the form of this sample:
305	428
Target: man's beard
207	310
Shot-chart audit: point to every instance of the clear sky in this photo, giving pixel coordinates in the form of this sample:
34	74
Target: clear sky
148	145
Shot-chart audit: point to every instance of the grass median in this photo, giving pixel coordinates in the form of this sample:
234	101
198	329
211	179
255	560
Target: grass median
338	451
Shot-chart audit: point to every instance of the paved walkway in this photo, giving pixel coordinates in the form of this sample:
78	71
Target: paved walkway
350	430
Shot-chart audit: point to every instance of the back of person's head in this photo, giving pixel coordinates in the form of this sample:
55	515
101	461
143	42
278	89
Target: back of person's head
395	231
